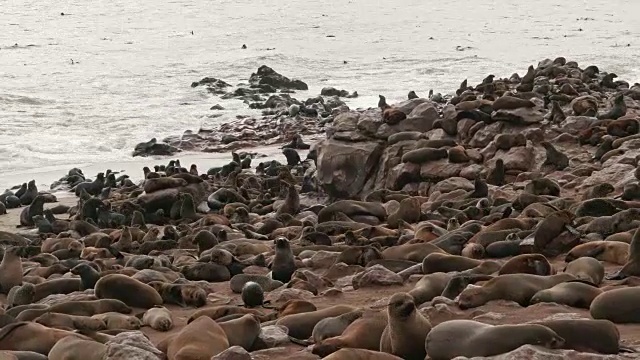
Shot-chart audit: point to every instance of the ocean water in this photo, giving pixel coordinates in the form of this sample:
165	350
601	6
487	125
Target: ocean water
134	61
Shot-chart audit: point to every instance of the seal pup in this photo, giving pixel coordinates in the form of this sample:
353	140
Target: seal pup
283	265
158	318
301	325
334	326
573	293
475	339
407	329
364	333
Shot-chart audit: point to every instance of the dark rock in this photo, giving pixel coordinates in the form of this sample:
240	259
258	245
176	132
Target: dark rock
152	147
267	76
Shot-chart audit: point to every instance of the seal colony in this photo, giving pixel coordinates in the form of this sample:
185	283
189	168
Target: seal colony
504	219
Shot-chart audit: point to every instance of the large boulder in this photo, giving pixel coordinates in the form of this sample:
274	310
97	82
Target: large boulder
152	147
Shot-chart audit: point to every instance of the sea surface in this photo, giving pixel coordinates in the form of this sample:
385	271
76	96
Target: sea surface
81	89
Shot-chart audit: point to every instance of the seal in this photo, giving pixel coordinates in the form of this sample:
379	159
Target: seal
70	322
88	275
295	307
412	252
292	156
301	325
283	265
130	291
514	287
36	208
407	329
535	264
118	321
243	331
32	191
180	294
554	157
364	333
161	183
74	347
632	265
496	175
202	338
617	305
586	269
10	269
440	262
577	335
360	354
217	312
266	283
252	294
78	308
20	336
475	339
334	326
506	102
573	293
158	318
423	155
610	251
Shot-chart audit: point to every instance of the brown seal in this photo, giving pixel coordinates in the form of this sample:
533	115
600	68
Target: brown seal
153	185
180	294
158	318
78	308
475	339
412	252
407	329
360	354
130	291
364	333
203	338
118	321
30	336
617	305
573	293
632	265
535	264
440	262
242	331
496	175
550	228
586	269
429	286
609	251
334	326
56	286
295	307
216	312
508	141
74	347
10	269
511	103
283	265
423	155
301	325
514	287
555	158
579	334
70	322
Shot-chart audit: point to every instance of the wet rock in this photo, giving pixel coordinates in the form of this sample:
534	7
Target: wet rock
331	91
376	275
267	76
152	147
210	82
216	107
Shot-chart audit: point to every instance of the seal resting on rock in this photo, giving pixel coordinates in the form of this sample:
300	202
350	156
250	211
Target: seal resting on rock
390	115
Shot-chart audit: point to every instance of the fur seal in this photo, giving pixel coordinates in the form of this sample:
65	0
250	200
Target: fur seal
554	157
572	293
70	322
267	284
440	262
617	305
429	286
10	269
334	326
586	269
423	155
301	325
35	208
579	335
473	338
632	265
364	333
407	329
180	294
118	321
74	347
514	287
243	331
130	291
20	336
202	338
283	265
252	294
158	318
527	264
610	251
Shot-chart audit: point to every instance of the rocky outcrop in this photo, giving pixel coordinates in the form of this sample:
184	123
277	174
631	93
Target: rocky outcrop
152	147
267	76
363	153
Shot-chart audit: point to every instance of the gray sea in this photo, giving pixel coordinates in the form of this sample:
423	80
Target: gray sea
83	88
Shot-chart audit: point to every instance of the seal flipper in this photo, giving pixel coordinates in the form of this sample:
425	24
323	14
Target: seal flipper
300	342
616	276
572	230
594	252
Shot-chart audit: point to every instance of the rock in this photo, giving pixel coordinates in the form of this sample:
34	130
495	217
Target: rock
233	353
283	295
407	106
517	158
54	299
520	116
216	107
344	168
563	316
228	139
585	106
210	82
283	353
574	124
424	112
440	170
274	335
376	275
331	91
294	109
530	352
451	184
152	147
267	76
132	345
339	270
323	259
